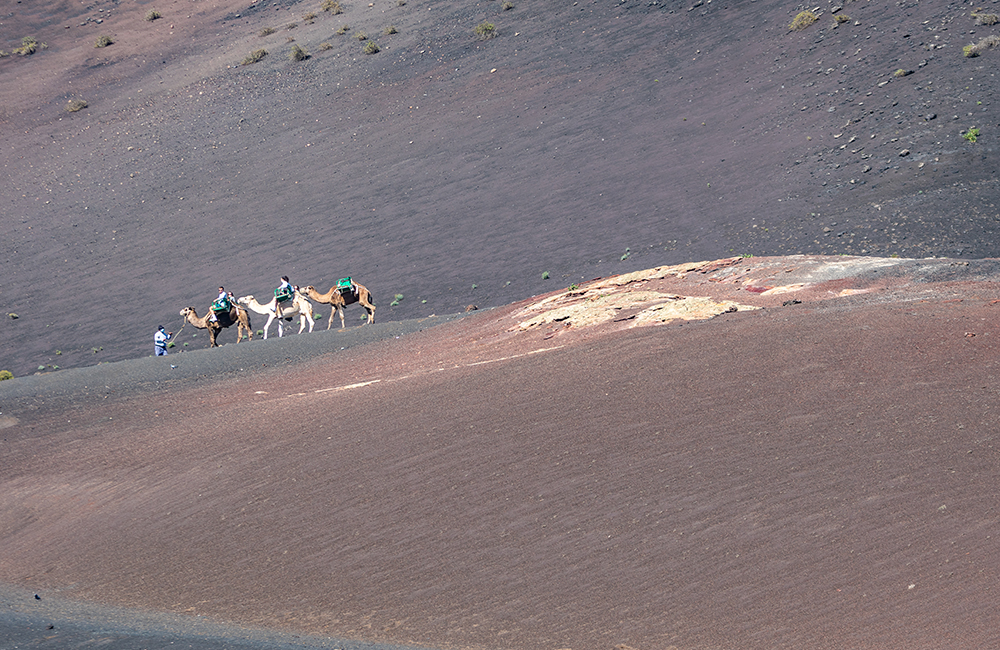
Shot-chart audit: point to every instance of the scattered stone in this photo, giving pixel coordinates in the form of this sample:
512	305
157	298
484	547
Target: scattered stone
930	116
904	153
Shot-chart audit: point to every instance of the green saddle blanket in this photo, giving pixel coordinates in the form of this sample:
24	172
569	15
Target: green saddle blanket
345	285
222	305
284	295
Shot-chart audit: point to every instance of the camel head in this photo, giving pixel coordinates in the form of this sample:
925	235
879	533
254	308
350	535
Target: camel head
186	311
245	300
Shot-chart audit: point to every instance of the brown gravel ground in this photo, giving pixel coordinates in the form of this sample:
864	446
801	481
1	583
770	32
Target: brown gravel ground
814	474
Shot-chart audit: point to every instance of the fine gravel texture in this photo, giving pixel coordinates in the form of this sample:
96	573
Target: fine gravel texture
585	139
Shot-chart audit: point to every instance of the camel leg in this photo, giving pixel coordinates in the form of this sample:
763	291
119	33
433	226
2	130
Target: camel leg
212	333
340	312
267	326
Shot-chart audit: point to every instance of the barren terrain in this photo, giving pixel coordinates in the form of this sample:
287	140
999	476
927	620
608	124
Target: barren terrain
730	382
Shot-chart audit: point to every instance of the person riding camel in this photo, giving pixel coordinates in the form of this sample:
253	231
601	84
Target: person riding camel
223	303
283	294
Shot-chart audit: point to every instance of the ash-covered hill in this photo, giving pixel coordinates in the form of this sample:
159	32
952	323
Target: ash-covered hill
584	139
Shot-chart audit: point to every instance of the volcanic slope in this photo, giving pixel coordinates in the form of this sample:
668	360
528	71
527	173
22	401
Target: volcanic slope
584	139
794	452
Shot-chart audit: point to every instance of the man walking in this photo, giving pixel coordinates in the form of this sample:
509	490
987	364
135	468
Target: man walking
160	341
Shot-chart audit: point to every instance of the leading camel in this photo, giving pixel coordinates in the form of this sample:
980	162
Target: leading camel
300	306
236	315
338	301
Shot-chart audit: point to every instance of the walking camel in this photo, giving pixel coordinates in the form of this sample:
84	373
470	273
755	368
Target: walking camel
237	315
338	301
300	306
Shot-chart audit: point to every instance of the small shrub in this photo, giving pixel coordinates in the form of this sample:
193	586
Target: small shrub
803	20
75	105
986	19
309	18
332	6
971	135
343	29
3	54
298	54
545	275
103	41
391	29
507	6
901	73
370	48
254	57
152	15
325	46
396	300
291	25
975	49
29	45
485	30
267	31
361	36
842	18
5	375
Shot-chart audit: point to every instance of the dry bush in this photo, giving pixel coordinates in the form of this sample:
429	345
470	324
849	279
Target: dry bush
254	57
391	29
75	105
370	48
267	31
309	18
298	54
975	49
361	36
103	41
325	46
29	45
152	15
343	29
485	30
986	19
332	6
803	20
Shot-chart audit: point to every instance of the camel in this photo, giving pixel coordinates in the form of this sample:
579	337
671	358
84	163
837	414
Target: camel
237	315
300	306
338	301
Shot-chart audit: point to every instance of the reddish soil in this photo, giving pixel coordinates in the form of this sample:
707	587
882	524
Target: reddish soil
820	473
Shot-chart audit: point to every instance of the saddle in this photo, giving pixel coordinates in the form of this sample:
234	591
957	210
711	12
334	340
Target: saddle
345	286
221	305
284	295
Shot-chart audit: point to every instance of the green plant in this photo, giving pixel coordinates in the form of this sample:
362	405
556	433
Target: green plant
152	15
297	54
332	6
254	57
900	73
343	29
507	6
485	30
370	48
325	46
6	374
103	41
396	300
545	275
971	135
628	253
842	18
361	36
75	105
573	287
803	20
29	45
391	29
